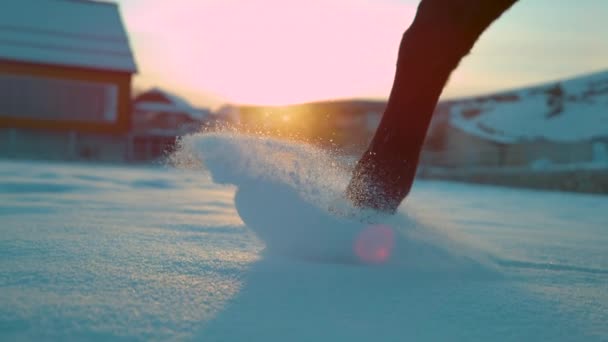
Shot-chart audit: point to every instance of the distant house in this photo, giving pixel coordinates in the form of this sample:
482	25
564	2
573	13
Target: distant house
463	149
159	117
161	112
65	79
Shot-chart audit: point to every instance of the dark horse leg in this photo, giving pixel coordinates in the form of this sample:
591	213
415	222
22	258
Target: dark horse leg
443	32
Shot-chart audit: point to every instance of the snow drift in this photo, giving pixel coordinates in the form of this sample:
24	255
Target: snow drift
291	196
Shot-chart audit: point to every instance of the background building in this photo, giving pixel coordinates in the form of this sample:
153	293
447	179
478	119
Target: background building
159	117
65	80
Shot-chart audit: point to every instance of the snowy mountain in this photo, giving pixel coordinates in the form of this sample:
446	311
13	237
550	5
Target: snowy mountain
564	111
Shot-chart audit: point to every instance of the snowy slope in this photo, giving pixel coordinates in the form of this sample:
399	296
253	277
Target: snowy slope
91	252
566	111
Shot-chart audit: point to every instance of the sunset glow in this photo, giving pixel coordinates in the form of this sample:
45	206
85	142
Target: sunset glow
275	52
290	51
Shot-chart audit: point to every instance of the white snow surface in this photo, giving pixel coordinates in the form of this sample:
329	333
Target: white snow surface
97	252
583	115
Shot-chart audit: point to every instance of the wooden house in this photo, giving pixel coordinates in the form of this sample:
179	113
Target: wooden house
65	74
159	118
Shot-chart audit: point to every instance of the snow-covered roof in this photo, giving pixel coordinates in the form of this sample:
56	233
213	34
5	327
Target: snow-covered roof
78	33
173	103
567	111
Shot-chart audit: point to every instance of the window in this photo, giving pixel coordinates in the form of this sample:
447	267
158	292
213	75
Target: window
42	98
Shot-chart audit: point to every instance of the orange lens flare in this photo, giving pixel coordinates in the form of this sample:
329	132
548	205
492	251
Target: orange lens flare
374	244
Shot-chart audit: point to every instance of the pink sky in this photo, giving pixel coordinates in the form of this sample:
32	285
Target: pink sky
290	51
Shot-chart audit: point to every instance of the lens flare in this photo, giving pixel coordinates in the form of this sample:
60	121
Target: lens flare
374	244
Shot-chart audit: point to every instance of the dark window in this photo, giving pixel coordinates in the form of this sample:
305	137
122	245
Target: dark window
55	99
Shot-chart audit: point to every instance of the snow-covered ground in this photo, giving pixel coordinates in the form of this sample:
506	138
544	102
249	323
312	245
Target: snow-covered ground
94	252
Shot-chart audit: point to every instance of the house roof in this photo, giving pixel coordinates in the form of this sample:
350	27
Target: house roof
159	100
77	33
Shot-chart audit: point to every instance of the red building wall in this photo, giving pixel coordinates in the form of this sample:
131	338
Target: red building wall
122	80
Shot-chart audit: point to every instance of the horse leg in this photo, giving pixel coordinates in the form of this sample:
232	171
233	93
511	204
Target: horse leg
442	33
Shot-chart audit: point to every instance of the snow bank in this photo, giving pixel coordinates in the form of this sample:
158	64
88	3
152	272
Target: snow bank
153	254
291	195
